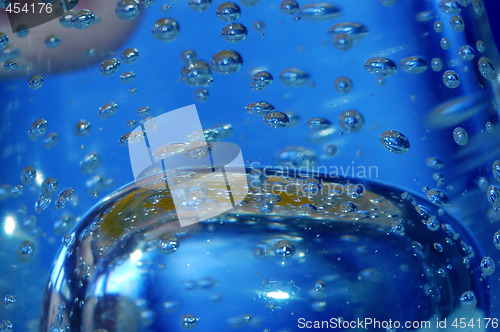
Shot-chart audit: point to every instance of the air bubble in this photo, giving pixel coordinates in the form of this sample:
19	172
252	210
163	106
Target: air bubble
425	16
318	123
53	41
25	252
17	191
342	42
434	162
466	53
381	66
108	110
436	64
330	150
82	19
451	79
259	26
437	197
109	67
35	82
168	244
90	163
261	80
438	26
82	128
188	321
445	43
234	32
487	266
353	29
460	136
49	186
130	55
226	62
297	156
480	46
449	7
284	249
199	5
127	77
127	10
197	74
351	121
28	175
37	129
131	137
63	198
493	196
432	224
496	169
413	65
10	65
457	23
228	11
294	77
50	140
319	11
347	207
496	240
4	40
188	57
342	85
143	111
289	7
438	247
276	119
260	108
201	94
439	178
468	300
9	301
197	150
165	29
42	203
395	141
7	326
486	68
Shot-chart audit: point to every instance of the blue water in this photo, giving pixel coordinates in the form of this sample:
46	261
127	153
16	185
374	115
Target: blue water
64	99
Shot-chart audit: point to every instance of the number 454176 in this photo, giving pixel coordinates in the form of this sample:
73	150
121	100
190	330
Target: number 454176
475	323
32	8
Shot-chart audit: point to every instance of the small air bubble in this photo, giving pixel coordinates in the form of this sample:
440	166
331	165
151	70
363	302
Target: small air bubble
35	82
460	136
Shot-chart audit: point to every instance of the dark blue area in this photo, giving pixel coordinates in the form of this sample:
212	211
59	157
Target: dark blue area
492	8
